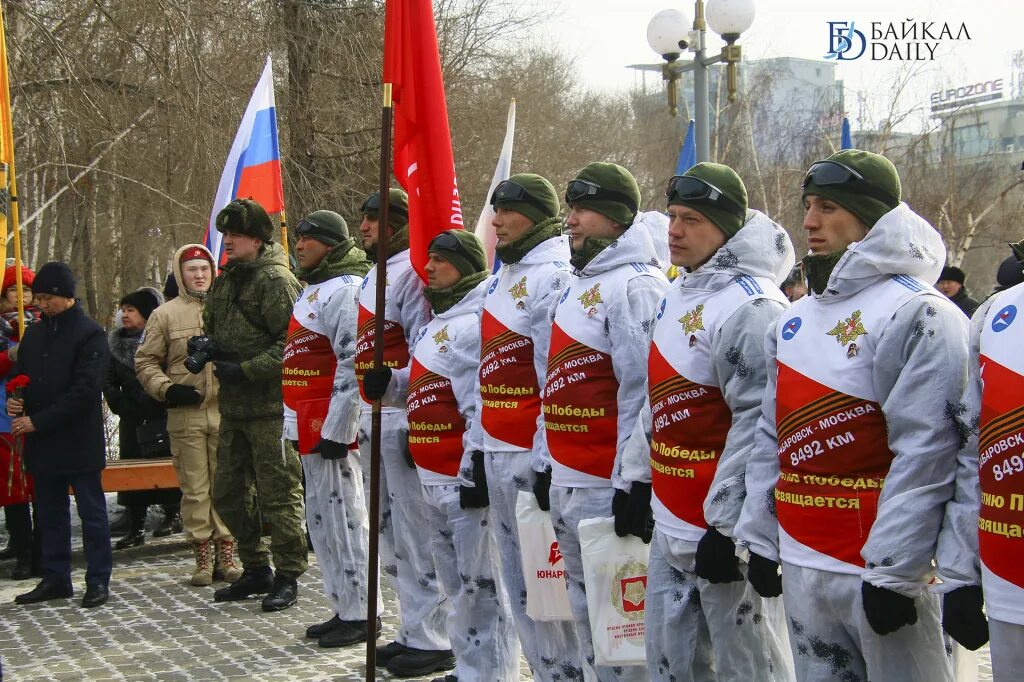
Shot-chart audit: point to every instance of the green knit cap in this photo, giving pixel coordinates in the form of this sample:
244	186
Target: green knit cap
612	178
728	219
541	192
468	256
877	171
398	207
327	227
245	216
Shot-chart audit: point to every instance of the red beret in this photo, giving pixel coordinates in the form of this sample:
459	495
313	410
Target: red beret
194	253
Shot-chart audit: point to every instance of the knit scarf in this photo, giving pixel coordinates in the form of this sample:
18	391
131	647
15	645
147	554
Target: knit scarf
398	242
591	247
819	268
443	299
541	232
342	259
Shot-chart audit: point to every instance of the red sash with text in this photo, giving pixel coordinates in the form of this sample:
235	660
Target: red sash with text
508	383
307	380
396	350
435	424
1001	471
690	424
833	456
580	406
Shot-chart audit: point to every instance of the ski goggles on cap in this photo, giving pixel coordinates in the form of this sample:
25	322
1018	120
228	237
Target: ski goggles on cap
306	227
513	191
832	174
371	206
583	190
446	241
687	188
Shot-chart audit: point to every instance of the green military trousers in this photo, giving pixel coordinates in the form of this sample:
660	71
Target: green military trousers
258	484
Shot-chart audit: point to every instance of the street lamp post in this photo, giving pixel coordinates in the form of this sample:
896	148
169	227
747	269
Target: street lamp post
668	35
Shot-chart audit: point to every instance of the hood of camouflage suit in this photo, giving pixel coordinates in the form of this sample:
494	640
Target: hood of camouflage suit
635	245
761	248
900	243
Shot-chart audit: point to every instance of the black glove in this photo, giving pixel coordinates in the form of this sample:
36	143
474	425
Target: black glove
475	497
763	575
179	395
716	559
330	449
228	372
963	618
632	512
887	611
375	382
542	489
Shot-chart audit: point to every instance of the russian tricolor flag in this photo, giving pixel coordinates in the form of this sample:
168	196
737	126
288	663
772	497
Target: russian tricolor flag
253	168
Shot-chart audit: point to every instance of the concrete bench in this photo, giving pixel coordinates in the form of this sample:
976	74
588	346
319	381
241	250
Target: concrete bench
139	474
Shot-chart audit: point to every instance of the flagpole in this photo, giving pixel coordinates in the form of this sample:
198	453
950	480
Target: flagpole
284	234
13	218
383	237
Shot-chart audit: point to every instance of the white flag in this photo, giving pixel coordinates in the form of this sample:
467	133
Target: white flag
484	231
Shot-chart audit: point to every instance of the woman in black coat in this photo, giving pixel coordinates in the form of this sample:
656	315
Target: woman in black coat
141	417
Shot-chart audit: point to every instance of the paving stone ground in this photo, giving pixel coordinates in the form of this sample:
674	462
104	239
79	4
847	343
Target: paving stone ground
158	627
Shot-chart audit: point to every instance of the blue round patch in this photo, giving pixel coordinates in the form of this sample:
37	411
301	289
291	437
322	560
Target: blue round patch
791	328
565	295
494	285
661	310
1004	318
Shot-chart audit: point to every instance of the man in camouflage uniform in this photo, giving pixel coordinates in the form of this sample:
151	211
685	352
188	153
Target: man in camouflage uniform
258	481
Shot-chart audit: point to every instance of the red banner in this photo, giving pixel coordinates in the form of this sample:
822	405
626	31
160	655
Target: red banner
423	161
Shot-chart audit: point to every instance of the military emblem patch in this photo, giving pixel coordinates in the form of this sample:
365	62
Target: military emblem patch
590	298
693	320
848	330
518	291
440	337
313	296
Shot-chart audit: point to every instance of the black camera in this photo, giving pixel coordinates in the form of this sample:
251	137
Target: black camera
201	350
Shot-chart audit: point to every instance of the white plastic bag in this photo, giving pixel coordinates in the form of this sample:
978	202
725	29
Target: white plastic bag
615	573
965	664
546	595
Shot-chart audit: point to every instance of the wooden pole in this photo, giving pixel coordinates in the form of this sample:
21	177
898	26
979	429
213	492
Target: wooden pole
284	235
383	236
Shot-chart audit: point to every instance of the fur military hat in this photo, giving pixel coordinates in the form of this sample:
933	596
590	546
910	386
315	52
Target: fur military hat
245	216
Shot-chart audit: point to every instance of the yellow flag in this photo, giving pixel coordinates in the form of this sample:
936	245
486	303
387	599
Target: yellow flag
9	188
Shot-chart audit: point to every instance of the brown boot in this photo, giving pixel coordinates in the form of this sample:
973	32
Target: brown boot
226	569
204	564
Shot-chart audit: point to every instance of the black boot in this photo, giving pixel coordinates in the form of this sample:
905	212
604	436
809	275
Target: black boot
23	569
320	629
18	519
253	581
136	534
349	632
284	593
420	662
170	525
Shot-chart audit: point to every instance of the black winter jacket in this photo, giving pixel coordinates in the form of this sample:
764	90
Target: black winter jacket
65	359
125	394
